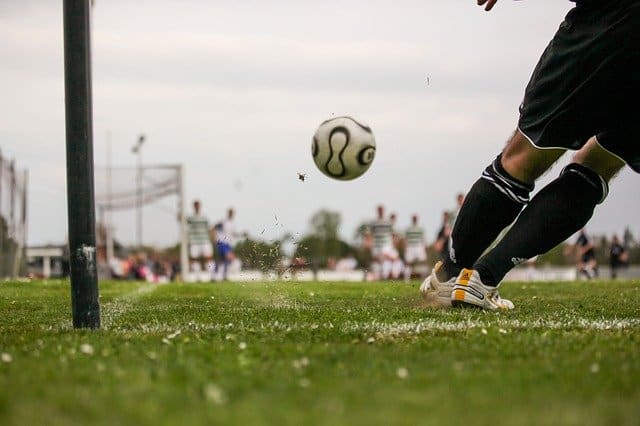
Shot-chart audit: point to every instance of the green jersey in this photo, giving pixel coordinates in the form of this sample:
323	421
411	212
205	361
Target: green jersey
382	232
414	236
198	229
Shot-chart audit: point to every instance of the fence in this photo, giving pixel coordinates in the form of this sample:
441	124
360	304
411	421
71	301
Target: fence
13	218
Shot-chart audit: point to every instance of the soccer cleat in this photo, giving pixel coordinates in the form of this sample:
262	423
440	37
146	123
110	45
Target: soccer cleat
469	291
435	292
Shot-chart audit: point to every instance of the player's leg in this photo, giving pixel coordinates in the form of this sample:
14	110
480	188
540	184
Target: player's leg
195	262
492	203
207	261
495	200
409	262
559	210
386	262
584	84
227	256
397	266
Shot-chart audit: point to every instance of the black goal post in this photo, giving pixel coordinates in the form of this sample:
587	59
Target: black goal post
80	191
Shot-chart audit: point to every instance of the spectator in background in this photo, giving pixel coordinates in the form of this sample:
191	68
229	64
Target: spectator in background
453	215
200	247
442	238
618	257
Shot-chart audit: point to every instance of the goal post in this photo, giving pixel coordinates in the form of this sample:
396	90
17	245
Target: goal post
85	306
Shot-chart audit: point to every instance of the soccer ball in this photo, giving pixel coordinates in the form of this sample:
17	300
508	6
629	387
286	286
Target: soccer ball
343	148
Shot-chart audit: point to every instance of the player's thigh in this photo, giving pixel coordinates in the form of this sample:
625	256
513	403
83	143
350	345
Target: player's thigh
415	254
525	161
598	159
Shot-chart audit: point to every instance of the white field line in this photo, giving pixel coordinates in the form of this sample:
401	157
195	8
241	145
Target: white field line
113	310
119	306
392	328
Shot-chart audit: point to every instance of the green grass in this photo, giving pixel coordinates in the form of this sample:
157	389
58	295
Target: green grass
320	353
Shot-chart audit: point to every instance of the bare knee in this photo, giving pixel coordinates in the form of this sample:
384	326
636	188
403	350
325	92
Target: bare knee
598	159
526	162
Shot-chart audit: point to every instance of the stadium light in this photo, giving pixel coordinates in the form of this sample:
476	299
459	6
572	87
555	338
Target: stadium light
80	187
137	150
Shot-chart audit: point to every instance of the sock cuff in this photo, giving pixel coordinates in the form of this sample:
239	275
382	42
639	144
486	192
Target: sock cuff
597	182
513	188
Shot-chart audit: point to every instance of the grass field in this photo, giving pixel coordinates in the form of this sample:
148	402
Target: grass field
321	353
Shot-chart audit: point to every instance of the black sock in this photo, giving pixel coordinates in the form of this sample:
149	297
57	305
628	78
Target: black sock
555	213
492	203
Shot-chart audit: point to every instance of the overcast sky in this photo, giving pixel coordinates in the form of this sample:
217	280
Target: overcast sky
235	89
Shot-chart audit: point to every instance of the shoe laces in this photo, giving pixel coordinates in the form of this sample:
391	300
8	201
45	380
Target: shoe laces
495	296
503	303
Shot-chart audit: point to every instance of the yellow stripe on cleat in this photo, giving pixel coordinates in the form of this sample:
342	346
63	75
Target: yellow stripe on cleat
464	277
458	294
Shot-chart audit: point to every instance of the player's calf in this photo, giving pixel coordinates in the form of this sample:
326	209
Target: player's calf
555	213
493	202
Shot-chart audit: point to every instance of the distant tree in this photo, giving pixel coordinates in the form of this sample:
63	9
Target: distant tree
323	242
561	255
325	224
628	239
261	255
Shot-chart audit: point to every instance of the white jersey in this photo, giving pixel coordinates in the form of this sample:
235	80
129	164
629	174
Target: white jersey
227	232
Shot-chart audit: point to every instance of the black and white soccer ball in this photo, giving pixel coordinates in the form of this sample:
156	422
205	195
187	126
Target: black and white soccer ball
343	148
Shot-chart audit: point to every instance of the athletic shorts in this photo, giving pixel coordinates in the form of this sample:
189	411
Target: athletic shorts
588	256
587	82
415	254
386	251
224	248
199	250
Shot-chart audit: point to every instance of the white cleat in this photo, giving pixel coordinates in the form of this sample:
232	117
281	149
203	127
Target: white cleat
437	293
469	291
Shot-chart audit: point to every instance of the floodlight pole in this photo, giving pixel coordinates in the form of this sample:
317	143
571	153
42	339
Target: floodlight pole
182	217
137	149
80	191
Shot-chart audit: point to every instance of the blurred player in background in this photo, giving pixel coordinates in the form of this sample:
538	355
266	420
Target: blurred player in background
415	252
200	247
586	256
383	251
581	96
397	265
226	236
618	256
453	214
441	243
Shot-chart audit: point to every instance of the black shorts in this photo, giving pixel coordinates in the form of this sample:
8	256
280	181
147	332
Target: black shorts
588	256
587	82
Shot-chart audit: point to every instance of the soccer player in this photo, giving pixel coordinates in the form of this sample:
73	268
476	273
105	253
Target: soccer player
200	247
383	250
415	251
586	255
397	265
226	236
618	257
582	96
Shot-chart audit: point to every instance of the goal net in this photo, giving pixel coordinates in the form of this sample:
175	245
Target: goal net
13	218
140	206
